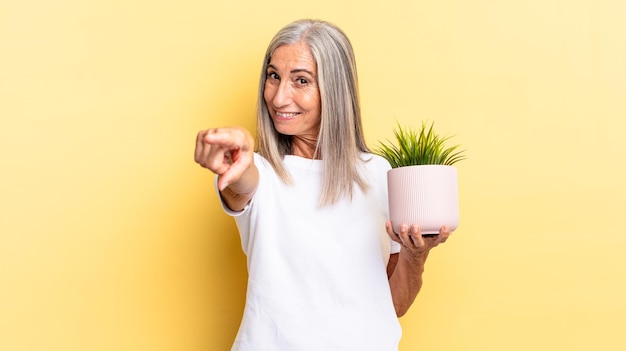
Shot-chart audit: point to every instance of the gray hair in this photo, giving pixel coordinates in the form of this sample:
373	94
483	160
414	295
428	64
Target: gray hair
340	141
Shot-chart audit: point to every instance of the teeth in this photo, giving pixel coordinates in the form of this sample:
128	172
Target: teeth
286	115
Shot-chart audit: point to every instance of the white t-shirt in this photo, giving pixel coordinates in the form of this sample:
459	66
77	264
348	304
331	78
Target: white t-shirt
317	277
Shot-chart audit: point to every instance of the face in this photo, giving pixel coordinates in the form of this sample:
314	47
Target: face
291	92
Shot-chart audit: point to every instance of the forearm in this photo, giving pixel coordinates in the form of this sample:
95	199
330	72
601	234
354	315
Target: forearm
406	280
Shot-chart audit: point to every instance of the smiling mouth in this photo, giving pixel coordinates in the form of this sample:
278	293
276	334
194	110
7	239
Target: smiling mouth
286	115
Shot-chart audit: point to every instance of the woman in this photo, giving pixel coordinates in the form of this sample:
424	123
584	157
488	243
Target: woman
326	271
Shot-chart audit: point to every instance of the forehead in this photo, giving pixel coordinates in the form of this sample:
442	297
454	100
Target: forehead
293	56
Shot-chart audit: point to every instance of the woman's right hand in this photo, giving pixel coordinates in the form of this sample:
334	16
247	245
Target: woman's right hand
229	153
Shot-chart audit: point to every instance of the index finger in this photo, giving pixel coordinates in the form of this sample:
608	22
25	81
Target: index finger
229	138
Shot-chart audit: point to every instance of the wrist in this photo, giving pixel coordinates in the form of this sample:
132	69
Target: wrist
414	259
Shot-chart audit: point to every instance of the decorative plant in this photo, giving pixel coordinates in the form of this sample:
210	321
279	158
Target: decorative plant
423	148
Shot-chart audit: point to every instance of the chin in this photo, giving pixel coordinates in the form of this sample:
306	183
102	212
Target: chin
283	129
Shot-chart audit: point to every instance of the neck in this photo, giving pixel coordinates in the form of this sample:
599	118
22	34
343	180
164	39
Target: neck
304	147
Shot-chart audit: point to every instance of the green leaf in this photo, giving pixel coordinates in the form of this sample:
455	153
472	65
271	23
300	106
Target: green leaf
419	148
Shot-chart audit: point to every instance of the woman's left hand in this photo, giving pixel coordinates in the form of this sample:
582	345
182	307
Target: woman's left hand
412	241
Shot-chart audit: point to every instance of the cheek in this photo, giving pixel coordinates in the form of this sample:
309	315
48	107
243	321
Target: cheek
312	100
268	93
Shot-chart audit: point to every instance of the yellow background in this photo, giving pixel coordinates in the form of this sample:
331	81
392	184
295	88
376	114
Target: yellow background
111	238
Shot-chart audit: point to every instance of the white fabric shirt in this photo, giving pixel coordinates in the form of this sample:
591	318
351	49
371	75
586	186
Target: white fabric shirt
316	275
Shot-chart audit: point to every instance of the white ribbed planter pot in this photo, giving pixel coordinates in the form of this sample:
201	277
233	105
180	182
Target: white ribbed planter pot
426	195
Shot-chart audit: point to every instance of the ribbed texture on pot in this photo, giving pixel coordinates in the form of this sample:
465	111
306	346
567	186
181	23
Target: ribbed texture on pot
425	195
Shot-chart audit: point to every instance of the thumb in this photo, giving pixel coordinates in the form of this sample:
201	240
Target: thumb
235	170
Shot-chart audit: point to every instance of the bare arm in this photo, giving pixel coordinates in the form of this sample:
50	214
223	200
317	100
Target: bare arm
406	268
229	153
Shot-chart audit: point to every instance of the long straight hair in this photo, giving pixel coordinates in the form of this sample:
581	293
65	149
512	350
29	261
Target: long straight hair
340	141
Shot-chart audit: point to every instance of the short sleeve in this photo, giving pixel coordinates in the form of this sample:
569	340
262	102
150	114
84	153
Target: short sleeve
395	247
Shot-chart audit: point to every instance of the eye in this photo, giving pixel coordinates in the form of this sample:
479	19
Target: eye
273	75
302	81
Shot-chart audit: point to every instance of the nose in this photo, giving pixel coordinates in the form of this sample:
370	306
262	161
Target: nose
282	95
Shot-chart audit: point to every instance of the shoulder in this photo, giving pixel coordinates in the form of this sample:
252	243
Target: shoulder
261	162
375	162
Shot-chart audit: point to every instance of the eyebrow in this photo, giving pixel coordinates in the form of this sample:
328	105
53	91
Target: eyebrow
297	70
